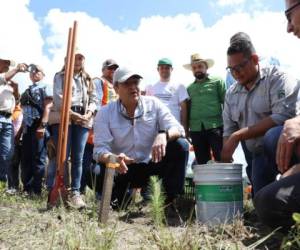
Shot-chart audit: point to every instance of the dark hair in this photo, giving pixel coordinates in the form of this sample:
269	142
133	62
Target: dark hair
240	36
241	46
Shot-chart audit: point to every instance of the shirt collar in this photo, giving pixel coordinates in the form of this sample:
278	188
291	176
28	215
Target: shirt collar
208	77
260	76
138	112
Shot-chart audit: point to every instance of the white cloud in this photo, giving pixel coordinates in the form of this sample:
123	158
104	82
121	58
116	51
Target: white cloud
155	37
229	2
175	37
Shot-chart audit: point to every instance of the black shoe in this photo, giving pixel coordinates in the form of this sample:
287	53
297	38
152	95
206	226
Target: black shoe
172	214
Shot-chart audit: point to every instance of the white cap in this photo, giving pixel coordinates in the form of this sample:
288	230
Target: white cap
122	74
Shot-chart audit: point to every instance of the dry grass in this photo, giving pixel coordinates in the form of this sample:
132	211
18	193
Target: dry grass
26	224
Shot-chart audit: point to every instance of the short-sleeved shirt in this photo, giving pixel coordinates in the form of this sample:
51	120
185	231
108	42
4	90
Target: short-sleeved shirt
171	94
39	91
207	99
274	95
7	100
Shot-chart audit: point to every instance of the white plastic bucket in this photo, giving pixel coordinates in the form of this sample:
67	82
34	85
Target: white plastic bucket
219	192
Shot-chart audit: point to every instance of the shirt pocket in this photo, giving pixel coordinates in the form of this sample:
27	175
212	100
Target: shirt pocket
235	111
260	105
148	124
120	130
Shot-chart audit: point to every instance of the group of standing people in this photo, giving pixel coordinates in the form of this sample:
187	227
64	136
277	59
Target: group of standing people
111	121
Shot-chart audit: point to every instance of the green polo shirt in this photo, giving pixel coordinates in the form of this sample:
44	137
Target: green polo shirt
207	98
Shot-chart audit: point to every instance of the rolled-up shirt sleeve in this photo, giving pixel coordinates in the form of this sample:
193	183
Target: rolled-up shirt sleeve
283	97
166	120
102	135
230	126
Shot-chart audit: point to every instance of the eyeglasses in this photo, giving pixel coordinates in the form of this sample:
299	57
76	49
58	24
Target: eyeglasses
237	68
289	11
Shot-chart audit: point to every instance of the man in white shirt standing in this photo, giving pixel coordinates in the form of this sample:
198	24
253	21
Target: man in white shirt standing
7	105
143	136
172	94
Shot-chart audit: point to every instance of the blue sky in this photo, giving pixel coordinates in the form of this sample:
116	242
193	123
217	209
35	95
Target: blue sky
126	14
113	29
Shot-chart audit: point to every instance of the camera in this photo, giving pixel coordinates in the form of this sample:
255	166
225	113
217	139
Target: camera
32	68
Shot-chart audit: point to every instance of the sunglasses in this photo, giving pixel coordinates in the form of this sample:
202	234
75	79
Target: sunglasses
237	68
289	11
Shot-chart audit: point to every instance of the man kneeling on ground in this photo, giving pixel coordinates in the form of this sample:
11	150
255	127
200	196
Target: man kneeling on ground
145	137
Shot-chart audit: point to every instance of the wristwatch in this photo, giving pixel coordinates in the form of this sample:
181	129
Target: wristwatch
166	132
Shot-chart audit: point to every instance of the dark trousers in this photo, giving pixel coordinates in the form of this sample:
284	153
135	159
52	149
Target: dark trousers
33	160
13	172
206	140
276	203
171	170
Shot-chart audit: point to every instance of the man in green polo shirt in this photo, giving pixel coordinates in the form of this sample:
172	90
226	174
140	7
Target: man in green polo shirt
205	110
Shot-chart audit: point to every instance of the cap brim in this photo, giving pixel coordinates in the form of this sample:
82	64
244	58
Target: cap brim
129	75
110	65
209	63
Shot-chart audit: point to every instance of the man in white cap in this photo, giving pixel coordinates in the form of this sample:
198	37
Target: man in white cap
205	110
7	105
143	136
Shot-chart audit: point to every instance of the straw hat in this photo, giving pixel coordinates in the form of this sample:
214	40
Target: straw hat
196	58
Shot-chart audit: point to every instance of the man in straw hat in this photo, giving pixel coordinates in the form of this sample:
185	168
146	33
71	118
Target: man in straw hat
276	203
261	99
205	110
7	105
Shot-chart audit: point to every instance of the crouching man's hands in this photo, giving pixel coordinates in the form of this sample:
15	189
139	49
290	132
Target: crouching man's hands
159	147
229	145
123	161
288	143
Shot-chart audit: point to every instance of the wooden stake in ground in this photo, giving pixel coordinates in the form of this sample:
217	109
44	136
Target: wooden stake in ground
59	191
107	189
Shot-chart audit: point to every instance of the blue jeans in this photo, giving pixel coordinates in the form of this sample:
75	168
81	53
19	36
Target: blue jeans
264	168
77	137
87	166
33	160
6	148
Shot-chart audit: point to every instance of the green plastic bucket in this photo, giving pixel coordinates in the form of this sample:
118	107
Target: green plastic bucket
219	192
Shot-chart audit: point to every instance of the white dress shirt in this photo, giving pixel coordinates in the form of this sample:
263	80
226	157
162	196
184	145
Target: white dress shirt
116	134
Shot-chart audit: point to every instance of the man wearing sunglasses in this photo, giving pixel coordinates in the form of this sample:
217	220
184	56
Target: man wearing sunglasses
261	99
276	203
143	136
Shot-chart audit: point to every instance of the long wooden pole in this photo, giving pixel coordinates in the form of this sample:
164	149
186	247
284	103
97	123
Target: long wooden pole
59	190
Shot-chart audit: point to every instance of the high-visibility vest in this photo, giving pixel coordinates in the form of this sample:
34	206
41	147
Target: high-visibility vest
109	95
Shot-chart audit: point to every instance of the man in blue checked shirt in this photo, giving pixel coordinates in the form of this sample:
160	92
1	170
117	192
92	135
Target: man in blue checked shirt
143	135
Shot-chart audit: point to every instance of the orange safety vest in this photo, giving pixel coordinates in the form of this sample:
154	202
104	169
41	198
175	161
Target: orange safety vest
108	96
